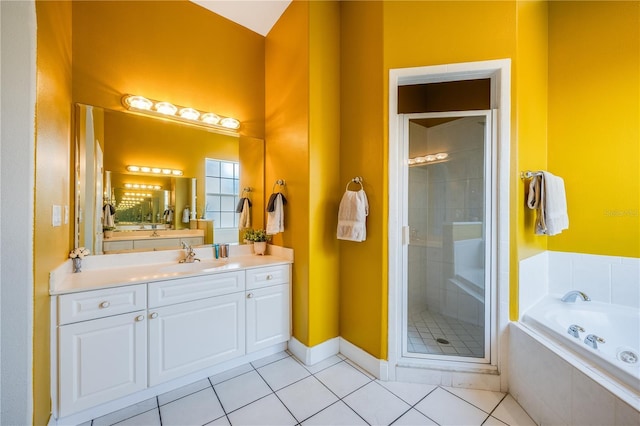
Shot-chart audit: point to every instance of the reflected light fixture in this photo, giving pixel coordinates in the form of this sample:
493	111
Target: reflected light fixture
154	170
429	158
187	115
142	186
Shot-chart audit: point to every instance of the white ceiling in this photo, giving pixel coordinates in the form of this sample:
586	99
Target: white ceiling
257	15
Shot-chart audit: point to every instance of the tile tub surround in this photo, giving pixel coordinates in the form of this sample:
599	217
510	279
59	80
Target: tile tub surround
554	389
280	390
608	279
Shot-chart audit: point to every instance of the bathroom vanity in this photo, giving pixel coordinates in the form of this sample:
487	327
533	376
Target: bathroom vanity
123	334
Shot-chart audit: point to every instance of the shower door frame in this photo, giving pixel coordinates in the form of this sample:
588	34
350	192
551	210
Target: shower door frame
487	376
488	226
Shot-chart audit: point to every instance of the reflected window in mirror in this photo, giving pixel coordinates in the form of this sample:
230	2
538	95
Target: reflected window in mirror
222	185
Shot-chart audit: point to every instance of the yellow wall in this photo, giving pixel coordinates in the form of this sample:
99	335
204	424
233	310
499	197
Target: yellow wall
411	34
287	144
594	122
529	152
53	171
303	141
363	266
170	50
324	181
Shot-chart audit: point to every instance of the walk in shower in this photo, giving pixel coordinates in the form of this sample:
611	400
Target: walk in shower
447	303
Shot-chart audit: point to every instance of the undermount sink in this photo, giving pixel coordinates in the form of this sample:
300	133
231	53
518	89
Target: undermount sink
202	266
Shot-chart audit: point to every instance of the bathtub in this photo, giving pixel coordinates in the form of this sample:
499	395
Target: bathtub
618	325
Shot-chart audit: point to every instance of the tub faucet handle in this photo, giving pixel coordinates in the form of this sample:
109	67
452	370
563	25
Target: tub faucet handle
575	330
593	340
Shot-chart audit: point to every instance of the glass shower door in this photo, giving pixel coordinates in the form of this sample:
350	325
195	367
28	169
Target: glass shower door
447	251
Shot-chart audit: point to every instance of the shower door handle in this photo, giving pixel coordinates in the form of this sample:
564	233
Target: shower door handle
406	235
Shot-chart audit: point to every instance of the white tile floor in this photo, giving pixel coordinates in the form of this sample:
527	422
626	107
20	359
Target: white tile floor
278	390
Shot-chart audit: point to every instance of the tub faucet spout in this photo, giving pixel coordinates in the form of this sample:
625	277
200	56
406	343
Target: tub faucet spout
592	340
573	294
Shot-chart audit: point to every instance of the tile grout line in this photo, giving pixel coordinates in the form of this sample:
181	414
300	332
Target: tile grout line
219	402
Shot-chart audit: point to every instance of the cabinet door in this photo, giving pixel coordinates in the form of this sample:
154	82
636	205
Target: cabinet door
268	319
190	336
101	360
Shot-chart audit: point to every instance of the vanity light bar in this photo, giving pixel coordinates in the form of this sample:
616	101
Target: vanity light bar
154	170
142	186
187	115
430	158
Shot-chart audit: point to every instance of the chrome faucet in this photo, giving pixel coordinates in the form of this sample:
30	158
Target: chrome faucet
593	340
573	294
575	330
191	255
155	231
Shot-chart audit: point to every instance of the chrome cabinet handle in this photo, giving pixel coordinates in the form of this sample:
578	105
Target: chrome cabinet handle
249	295
105	304
153	315
269	276
140	318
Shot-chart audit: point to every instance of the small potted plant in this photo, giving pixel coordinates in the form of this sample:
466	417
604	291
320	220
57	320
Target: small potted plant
259	238
76	255
107	231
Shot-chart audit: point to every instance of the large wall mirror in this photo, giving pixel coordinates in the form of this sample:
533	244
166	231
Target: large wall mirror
203	174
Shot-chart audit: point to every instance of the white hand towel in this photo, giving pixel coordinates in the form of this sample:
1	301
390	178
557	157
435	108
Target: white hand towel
555	204
185	215
245	216
275	219
547	196
352	216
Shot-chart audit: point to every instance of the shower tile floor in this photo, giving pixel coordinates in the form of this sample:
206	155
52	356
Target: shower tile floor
426	327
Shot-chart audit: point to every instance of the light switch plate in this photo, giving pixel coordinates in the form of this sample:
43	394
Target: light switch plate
56	215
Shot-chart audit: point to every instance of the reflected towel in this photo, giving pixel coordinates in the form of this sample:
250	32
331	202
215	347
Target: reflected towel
245	216
352	216
275	218
108	213
185	215
547	196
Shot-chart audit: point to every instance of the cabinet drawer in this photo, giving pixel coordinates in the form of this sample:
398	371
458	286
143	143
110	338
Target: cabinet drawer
193	241
88	305
157	243
117	245
268	276
180	290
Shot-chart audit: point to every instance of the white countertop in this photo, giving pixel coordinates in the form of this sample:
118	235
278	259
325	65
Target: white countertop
115	270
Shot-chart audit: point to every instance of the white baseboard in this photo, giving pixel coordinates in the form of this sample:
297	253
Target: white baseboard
313	355
377	367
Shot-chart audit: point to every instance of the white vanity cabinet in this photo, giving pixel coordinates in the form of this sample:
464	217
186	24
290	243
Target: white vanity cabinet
268	307
102	351
116	345
195	323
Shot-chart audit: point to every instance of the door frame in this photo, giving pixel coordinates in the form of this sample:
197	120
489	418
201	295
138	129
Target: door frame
499	72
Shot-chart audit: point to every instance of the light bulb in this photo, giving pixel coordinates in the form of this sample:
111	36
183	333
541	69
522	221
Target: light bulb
210	118
139	102
230	123
166	108
189	113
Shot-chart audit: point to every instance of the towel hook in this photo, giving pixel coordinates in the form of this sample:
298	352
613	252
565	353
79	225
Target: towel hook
279	182
358	180
246	189
529	174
